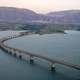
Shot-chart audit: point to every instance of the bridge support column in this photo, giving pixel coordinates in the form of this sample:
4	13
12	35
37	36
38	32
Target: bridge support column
12	51
15	54
8	51
31	60
20	56
52	67
5	49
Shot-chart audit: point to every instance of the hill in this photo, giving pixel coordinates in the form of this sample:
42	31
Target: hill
65	17
12	14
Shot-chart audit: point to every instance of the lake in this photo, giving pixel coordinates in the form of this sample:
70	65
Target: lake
57	46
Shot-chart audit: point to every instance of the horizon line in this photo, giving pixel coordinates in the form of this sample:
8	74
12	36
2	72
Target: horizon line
38	12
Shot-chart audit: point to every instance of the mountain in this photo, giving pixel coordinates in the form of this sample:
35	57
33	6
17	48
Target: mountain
66	17
21	15
18	15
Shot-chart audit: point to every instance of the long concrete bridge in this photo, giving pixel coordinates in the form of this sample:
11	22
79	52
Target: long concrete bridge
20	53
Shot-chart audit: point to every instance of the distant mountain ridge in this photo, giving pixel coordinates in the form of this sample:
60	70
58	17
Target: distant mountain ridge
26	15
66	17
18	14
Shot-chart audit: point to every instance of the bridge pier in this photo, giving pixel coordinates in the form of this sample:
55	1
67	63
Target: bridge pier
12	51
20	56
9	51
15	54
6	49
52	67
31	60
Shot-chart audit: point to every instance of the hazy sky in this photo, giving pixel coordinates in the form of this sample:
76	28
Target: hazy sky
42	6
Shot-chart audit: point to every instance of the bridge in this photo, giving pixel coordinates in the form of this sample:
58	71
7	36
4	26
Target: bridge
20	53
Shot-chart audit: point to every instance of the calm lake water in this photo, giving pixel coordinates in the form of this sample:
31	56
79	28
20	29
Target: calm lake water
57	46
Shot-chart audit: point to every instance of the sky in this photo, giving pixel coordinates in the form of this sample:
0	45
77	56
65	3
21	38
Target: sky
42	6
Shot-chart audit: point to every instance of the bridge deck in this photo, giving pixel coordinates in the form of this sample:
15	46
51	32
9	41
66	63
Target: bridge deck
6	47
